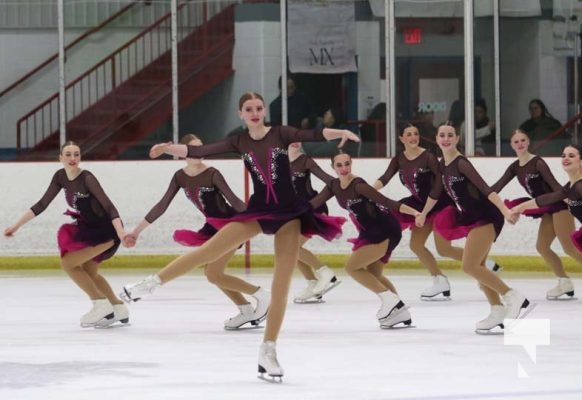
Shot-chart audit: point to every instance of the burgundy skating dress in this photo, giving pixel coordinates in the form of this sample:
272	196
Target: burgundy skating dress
472	208
302	168
537	179
573	197
274	201
207	191
422	178
369	210
93	213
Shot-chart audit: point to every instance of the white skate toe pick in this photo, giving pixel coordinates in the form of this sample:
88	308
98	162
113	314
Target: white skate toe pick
268	363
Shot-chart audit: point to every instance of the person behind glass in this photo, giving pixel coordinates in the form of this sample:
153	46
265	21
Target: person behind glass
540	126
484	128
535	177
378	235
274	208
419	173
92	238
478	216
320	278
299	110
206	188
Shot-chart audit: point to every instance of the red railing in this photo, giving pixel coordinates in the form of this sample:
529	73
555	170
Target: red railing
52	58
100	80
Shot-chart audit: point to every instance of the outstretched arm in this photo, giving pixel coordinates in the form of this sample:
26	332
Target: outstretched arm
27	216
343	134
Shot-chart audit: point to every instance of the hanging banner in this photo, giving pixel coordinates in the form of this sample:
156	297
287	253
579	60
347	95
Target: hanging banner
321	37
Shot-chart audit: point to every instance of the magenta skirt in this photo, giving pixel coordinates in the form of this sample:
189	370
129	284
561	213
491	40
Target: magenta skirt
576	237
453	225
312	223
536	212
190	238
74	237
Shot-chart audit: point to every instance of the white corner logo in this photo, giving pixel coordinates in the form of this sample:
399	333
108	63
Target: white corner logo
528	333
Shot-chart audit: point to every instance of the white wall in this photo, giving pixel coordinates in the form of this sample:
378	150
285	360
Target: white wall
136	186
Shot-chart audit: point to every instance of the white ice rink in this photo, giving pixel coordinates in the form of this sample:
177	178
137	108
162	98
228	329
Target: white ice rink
176	347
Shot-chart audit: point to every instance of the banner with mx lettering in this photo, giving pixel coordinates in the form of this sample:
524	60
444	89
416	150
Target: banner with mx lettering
321	37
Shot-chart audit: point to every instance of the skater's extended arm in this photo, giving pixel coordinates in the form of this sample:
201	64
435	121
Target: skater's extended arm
187	151
97	191
387	175
321	198
507	176
51	192
372	194
317	171
220	183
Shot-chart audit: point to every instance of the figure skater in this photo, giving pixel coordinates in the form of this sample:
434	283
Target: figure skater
93	237
379	233
274	208
206	188
535	177
478	217
320	278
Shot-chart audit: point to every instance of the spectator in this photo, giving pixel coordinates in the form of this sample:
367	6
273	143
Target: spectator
331	117
540	127
299	110
484	129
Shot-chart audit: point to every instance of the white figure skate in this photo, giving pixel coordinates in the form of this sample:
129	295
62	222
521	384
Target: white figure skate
517	306
246	316
120	318
326	280
263	299
564	290
102	310
493	324
307	295
268	363
440	286
493	266
135	291
398	319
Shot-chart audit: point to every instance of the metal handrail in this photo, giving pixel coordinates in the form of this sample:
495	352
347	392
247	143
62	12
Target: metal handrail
68	47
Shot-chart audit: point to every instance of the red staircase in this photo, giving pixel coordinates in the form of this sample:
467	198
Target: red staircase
120	102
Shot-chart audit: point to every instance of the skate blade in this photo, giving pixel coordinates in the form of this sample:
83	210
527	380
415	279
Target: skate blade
116	324
511	323
496	331
244	327
327	289
399	325
436	297
270	378
309	301
562	297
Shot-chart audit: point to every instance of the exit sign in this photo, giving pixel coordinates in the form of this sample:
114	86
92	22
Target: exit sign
412	35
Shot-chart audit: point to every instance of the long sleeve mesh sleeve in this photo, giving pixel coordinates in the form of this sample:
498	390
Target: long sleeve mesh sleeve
437	185
553	197
547	175
467	169
321	198
390	171
97	191
507	176
220	183
317	171
165	201
372	194
51	192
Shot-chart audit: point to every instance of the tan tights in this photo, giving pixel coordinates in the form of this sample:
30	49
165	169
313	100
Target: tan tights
477	246
214	272
81	268
229	238
364	266
307	262
559	225
418	239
